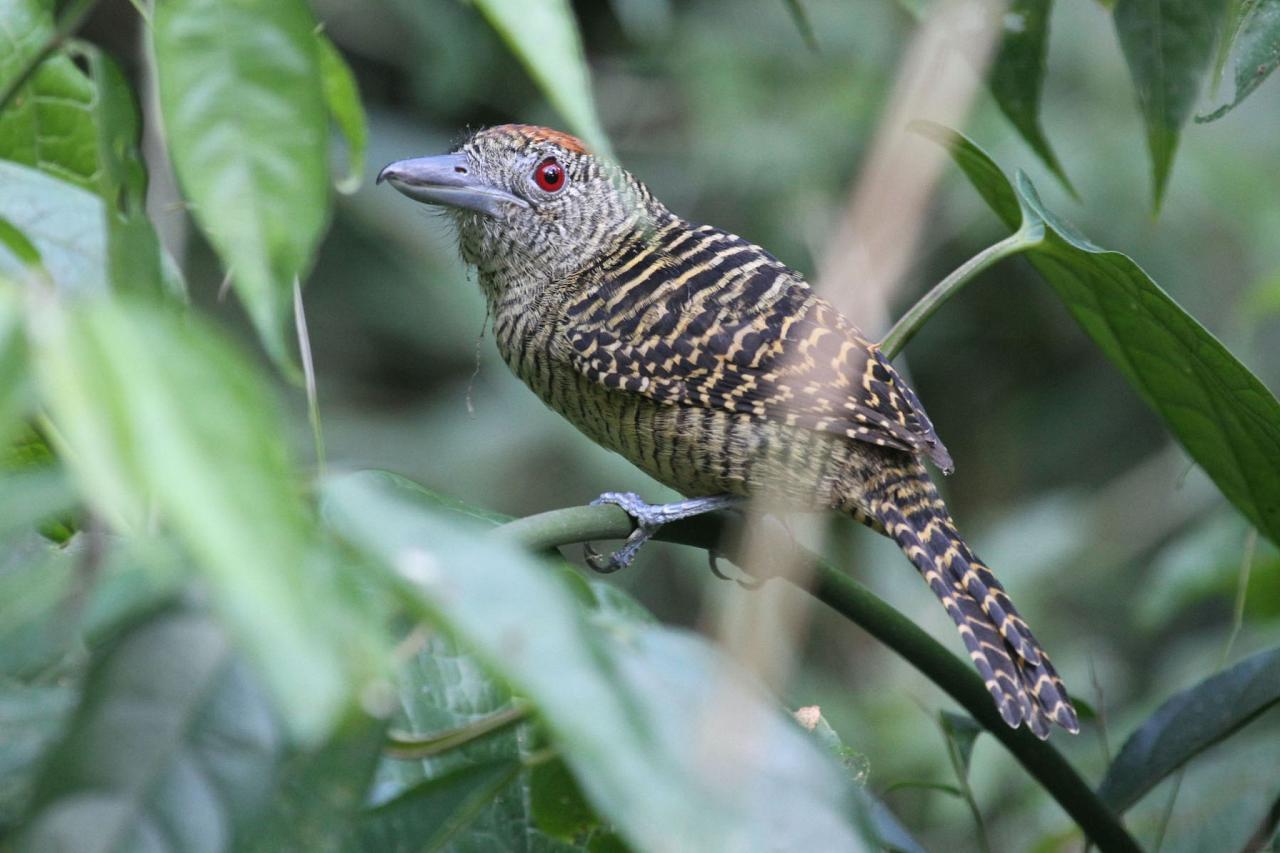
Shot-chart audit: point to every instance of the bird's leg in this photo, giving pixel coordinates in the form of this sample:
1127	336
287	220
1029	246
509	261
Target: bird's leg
648	518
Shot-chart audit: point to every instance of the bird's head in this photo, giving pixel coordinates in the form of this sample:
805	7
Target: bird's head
529	202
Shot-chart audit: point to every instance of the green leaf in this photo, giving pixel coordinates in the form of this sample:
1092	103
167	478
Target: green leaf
13	371
159	412
30	719
1168	45
1220	412
25	26
1256	48
625	704
430	814
133	249
1189	723
173	745
63	223
343	97
49	125
557	805
322	793
962	731
244	113
1017	76
544	35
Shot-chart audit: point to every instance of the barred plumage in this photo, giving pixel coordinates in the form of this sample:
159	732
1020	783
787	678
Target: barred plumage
715	368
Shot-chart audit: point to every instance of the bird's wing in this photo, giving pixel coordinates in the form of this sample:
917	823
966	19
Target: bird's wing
711	320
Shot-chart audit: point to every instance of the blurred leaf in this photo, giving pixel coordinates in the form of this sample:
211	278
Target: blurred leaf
429	814
1017	76
556	802
1168	45
627	708
25	26
156	410
1221	413
343	98
13	371
29	496
49	125
962	731
1189	723
244	113
18	244
322	792
1256	48
173	746
62	222
133	249
802	22
544	35
30	719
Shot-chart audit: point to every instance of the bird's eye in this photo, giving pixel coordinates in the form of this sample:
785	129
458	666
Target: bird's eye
549	176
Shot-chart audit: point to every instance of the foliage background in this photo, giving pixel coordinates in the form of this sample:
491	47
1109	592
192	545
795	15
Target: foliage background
1120	553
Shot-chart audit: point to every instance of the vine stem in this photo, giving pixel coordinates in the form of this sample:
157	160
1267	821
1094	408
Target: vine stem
906	327
861	606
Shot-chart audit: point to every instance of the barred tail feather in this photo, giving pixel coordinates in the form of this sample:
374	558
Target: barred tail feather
1014	667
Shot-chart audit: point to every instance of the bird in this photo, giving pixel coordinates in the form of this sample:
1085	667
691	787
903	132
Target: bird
714	368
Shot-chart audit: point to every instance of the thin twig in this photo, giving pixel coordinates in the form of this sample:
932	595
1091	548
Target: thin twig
411	747
308	374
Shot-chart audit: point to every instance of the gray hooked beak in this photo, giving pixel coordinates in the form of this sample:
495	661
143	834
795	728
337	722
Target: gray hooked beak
447	179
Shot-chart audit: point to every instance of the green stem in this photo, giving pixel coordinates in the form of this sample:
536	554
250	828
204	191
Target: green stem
412	747
67	24
910	322
861	606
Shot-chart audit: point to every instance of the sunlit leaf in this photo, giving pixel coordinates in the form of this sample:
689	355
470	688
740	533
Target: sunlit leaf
1168	45
343	97
1256	49
244	113
173	744
1017	76
63	223
1228	421
544	34
155	411
1189	723
626	707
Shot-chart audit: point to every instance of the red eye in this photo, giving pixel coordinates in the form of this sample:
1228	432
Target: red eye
549	176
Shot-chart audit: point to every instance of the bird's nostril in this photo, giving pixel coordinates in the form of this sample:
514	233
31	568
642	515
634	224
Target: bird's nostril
461	170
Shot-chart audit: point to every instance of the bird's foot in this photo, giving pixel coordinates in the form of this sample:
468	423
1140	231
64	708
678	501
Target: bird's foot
648	518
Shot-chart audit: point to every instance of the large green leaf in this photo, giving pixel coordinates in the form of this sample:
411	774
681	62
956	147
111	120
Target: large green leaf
157	412
25	26
173	747
1168	45
1256	48
1228	421
50	125
1017	76
244	112
544	34
630	707
1189	723
64	223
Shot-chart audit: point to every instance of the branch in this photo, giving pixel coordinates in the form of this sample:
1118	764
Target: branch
863	607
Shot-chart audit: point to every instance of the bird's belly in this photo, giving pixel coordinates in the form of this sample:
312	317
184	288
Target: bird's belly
694	450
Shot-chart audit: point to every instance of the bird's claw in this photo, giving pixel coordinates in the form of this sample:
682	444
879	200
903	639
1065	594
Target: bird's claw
620	558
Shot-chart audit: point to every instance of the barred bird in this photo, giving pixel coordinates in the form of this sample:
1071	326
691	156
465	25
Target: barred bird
716	369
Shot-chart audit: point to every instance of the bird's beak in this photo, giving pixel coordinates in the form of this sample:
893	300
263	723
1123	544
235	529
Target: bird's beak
448	179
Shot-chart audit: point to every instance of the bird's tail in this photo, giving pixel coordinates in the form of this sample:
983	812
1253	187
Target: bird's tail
1023	682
